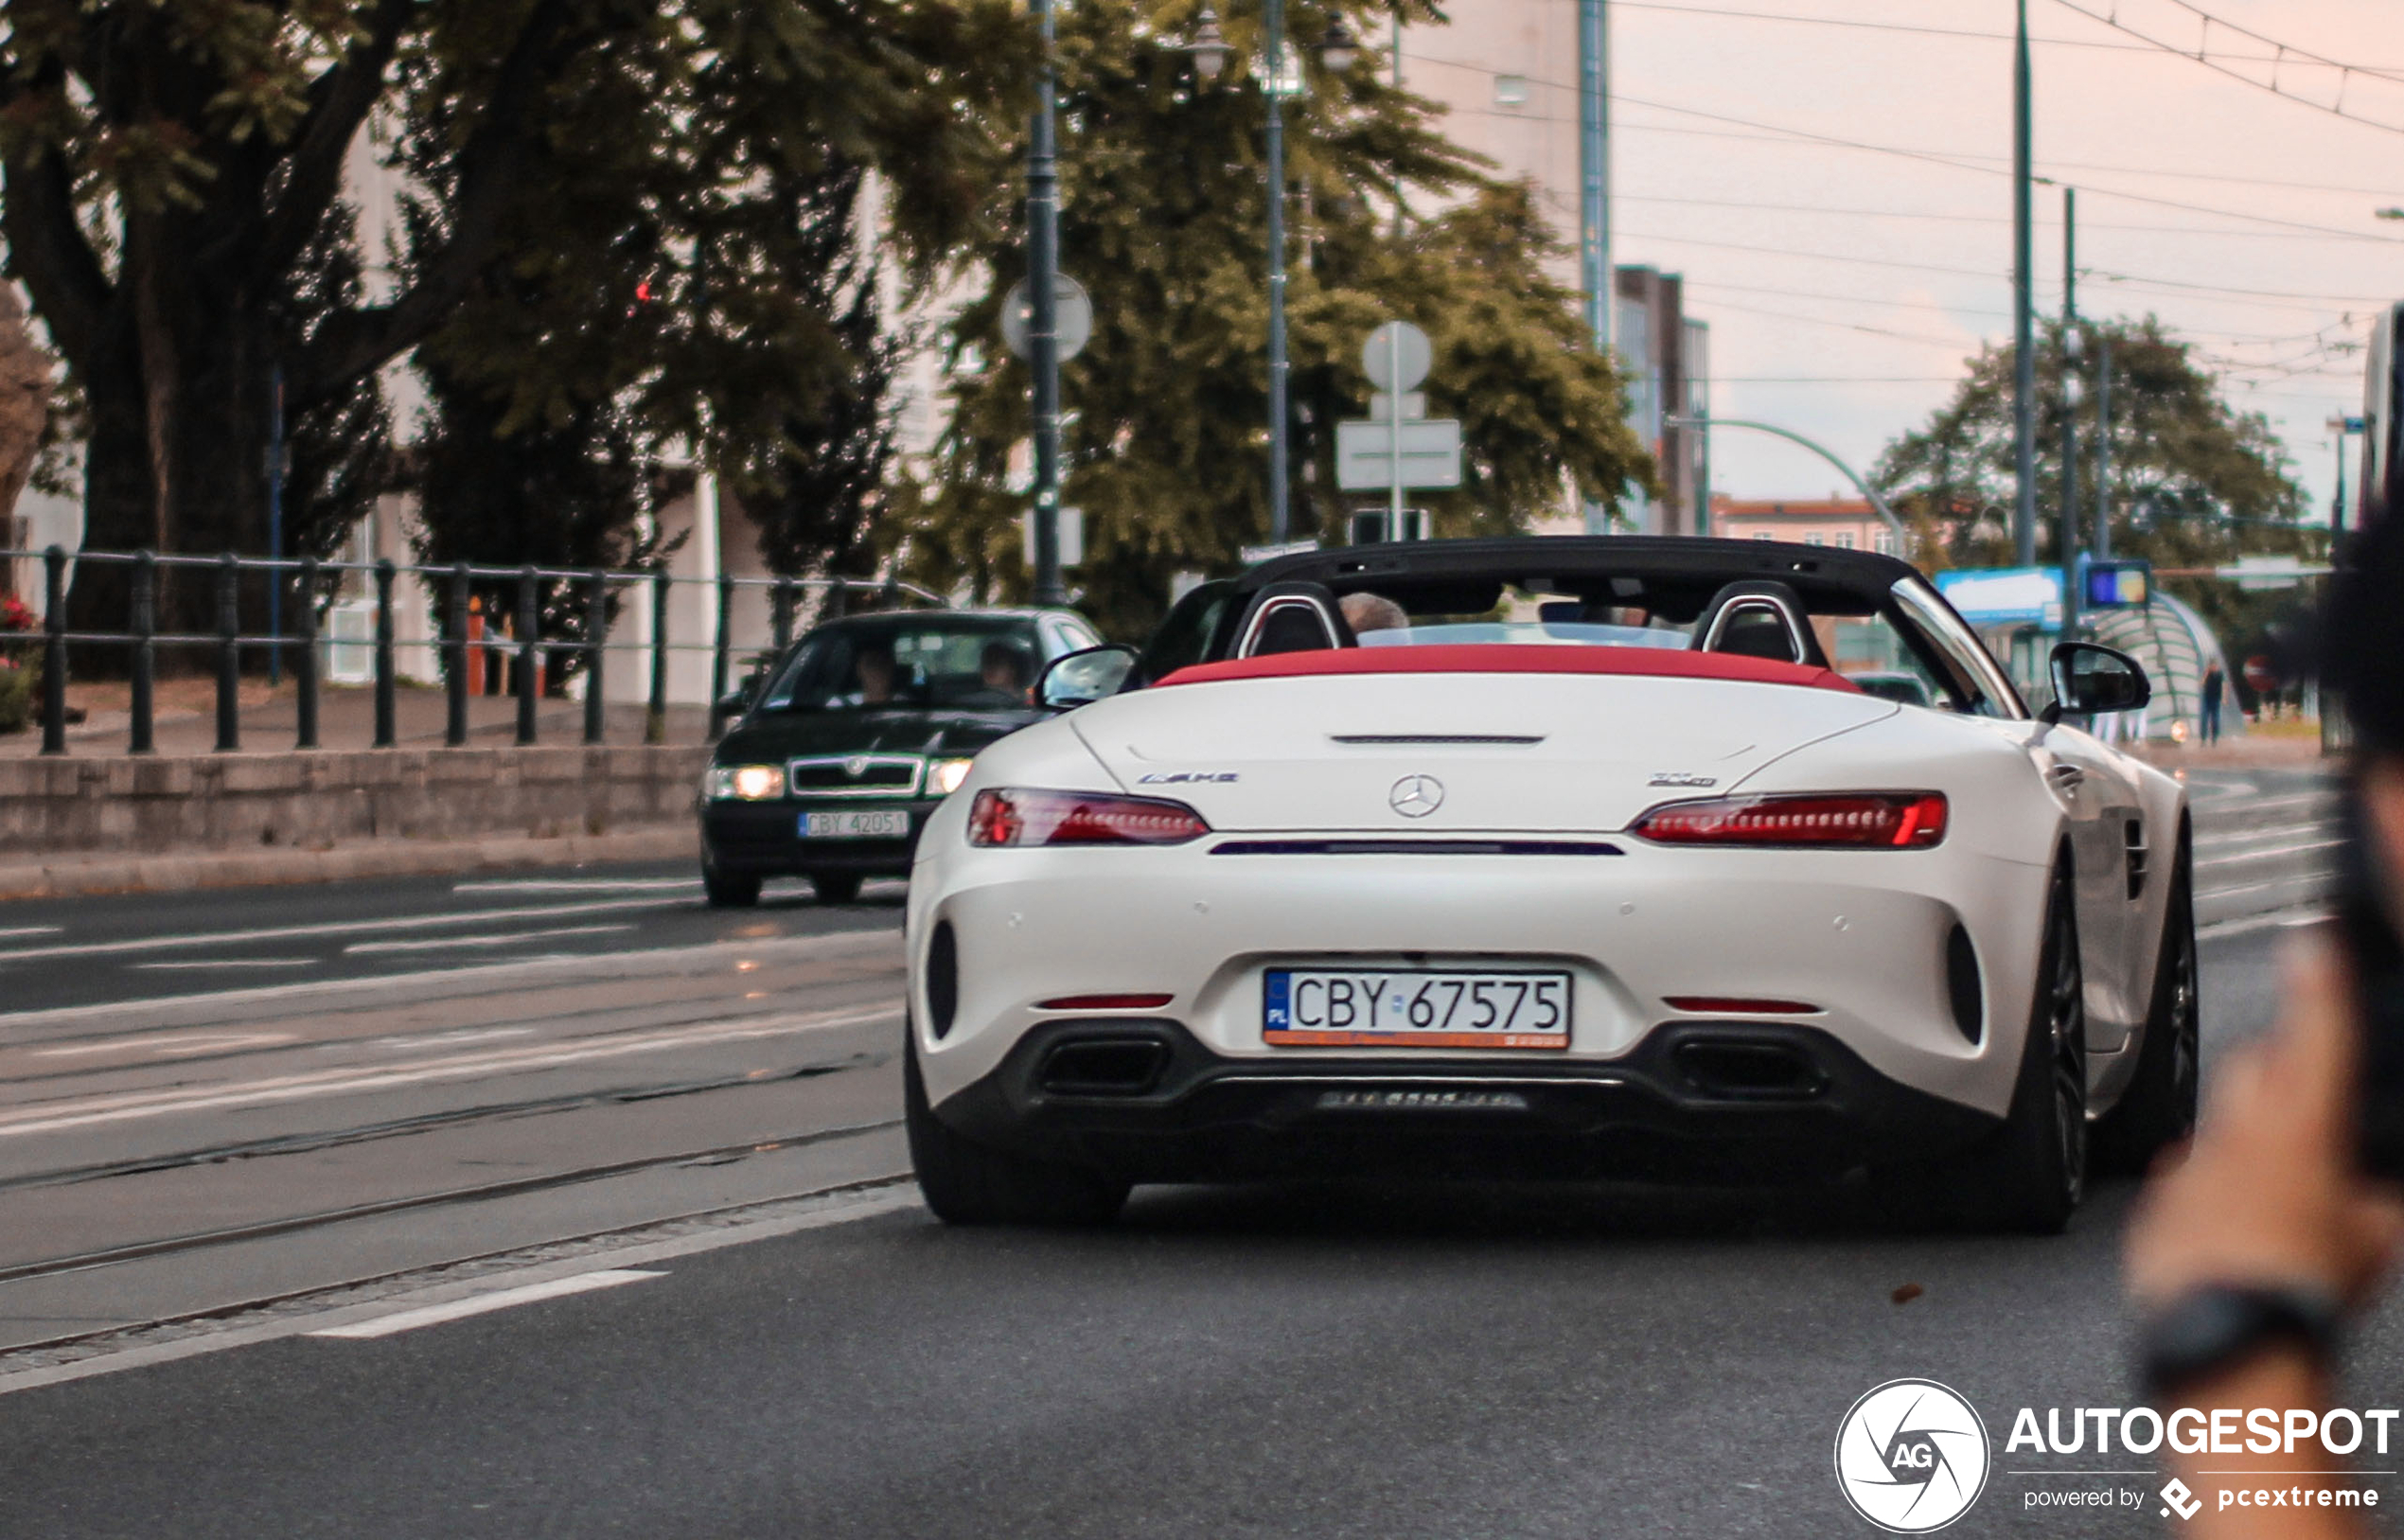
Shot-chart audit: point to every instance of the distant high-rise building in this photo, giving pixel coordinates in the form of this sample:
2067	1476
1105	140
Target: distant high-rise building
1506	73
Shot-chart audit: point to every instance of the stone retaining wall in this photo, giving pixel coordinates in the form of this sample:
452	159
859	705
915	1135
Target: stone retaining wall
165	804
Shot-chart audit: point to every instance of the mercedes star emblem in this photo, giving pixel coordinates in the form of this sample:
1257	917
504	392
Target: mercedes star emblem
1416	796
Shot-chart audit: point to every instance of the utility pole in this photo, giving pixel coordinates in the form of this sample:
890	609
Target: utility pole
1595	271
2024	523
1043	322
1274	20
1594	168
2070	350
2103	448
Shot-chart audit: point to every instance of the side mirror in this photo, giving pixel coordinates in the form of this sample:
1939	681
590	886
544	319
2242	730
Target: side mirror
729	706
1079	679
2092	680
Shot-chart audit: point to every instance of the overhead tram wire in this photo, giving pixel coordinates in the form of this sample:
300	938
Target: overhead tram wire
1963	160
2084	225
2286	54
1852	24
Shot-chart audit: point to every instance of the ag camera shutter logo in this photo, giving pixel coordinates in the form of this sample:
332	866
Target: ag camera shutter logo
1911	1456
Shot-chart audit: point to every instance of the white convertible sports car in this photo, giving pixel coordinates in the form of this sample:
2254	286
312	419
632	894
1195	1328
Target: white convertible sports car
1588	858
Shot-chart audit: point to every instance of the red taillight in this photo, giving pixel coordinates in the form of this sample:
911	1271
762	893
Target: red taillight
1737	1005
1864	820
1012	816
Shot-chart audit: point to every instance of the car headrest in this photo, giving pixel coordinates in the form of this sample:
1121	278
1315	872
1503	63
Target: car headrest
1759	619
1292	617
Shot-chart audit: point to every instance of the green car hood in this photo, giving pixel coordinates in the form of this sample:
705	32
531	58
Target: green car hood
775	737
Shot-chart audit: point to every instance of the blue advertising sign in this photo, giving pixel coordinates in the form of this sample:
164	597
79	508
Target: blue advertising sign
2003	596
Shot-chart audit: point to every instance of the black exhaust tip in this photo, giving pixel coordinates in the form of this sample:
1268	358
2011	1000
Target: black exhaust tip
1104	1067
1741	1070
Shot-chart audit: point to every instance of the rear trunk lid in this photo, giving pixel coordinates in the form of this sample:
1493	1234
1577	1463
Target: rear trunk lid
1507	752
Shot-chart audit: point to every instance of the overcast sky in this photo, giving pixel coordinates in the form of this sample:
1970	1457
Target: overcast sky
2122	120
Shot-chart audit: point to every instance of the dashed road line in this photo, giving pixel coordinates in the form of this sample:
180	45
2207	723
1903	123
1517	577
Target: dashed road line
331	928
444	943
480	1305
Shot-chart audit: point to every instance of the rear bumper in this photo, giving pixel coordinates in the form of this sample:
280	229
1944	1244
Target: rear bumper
1145	1100
764	838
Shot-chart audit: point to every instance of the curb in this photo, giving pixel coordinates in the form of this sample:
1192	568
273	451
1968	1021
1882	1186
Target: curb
65	877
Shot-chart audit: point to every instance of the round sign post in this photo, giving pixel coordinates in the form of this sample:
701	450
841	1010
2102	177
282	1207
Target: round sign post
1396	357
1072	316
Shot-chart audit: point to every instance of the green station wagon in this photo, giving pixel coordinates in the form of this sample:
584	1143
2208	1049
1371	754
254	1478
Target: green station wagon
850	739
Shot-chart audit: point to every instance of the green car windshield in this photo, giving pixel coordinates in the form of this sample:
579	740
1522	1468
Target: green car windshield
909	662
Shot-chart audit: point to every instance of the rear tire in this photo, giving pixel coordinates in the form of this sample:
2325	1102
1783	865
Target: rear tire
725	889
2159	1108
966	1183
835	886
2031	1174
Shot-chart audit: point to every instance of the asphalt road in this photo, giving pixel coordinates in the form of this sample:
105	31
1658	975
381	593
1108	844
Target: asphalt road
1299	1360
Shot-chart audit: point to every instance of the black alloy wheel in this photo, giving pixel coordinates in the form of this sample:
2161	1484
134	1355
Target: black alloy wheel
2159	1108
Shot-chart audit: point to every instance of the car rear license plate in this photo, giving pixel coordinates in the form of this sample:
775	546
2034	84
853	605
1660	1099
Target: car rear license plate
857	823
1414	1008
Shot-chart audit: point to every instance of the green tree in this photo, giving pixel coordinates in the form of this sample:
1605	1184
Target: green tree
1163	218
169	166
2194	482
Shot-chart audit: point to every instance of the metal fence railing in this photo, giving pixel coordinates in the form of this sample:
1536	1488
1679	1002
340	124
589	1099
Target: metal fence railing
299	586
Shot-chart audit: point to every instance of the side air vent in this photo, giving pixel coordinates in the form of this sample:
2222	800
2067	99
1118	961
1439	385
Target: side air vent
943	979
1104	1067
1962	986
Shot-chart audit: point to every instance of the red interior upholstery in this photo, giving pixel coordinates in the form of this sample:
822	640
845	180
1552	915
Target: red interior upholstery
1532	658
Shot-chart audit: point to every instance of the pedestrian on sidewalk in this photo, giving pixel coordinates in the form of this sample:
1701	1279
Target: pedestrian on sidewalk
2213	685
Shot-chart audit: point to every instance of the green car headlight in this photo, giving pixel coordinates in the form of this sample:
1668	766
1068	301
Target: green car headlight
944	776
746	783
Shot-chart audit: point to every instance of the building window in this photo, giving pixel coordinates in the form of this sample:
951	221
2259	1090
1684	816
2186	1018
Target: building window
1761	535
1815	538
1845	540
1511	91
1882	542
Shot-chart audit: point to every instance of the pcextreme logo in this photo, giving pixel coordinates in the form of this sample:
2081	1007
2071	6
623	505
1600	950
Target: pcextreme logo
1911	1456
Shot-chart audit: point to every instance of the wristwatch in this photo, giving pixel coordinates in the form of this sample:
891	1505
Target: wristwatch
2218	1326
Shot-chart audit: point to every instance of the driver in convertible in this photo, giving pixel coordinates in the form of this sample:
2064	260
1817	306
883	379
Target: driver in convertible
1366	613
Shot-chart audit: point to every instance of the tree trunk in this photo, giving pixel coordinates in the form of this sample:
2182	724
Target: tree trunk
24	399
203	427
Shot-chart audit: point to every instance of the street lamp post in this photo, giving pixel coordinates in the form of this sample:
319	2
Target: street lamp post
1885	512
1043	323
1338	51
2024	522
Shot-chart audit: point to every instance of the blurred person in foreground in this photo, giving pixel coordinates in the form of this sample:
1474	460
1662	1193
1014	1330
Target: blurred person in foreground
2250	1250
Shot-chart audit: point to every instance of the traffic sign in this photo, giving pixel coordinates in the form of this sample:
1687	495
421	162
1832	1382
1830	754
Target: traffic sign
1071	316
1372	455
1396	357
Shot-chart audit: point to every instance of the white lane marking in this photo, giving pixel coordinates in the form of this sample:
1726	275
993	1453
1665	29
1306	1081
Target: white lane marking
2308	880
439	1039
2283	918
662	884
475	978
2267	855
171	1044
122	1106
2254	836
478	1304
15	933
332	928
221	965
444	943
780	1216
